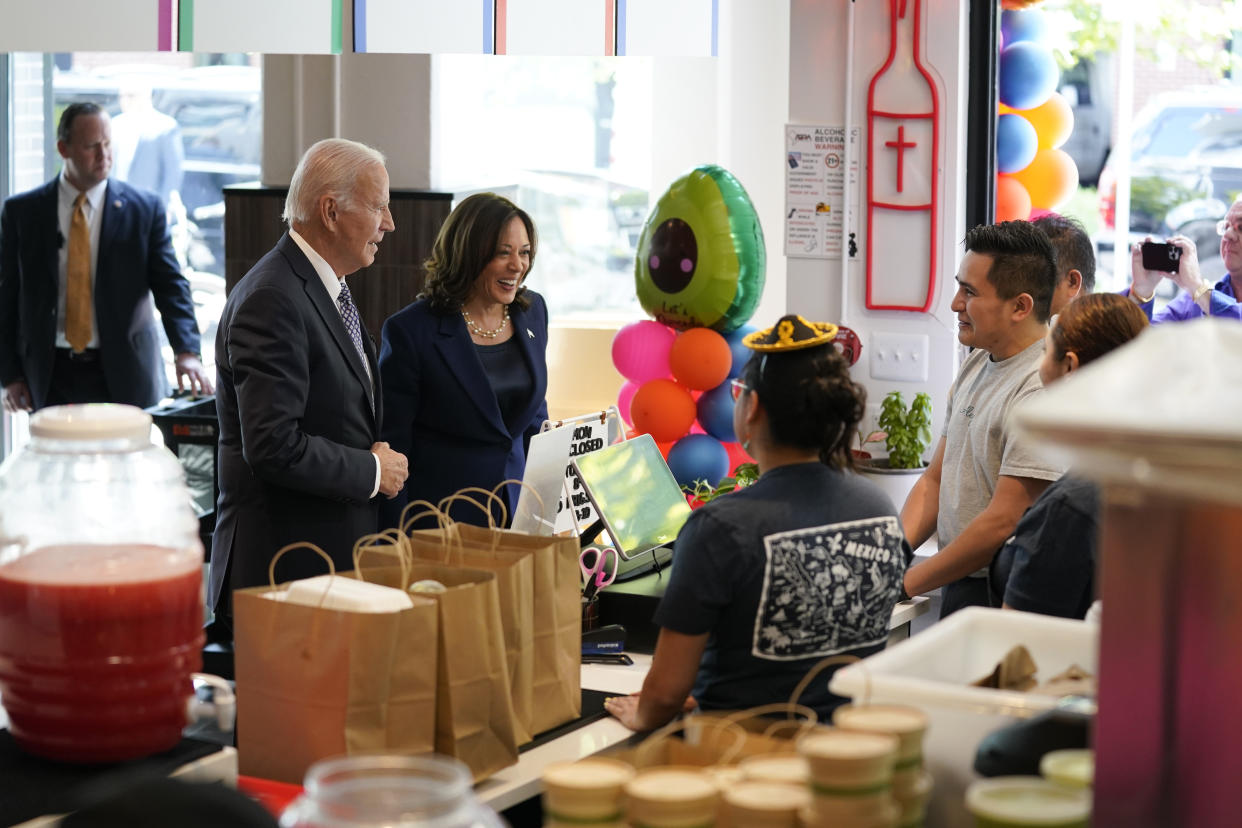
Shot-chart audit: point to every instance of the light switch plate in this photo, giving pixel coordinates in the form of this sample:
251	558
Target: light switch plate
899	357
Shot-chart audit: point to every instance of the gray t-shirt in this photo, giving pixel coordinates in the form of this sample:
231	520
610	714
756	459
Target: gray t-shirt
980	442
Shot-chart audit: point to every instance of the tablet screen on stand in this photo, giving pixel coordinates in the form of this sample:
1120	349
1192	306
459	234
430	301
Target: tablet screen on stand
639	503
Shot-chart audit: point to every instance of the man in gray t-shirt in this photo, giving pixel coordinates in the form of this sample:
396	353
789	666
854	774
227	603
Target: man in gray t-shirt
982	476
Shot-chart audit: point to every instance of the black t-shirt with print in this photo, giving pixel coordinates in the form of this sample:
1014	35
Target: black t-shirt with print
805	563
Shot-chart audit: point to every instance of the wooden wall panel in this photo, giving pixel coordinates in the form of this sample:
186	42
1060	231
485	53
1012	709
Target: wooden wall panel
252	226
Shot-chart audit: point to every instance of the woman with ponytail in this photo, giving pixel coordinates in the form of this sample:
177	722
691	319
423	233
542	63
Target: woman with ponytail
805	563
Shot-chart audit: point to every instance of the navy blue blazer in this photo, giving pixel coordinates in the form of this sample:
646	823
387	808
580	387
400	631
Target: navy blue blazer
296	427
135	263
440	410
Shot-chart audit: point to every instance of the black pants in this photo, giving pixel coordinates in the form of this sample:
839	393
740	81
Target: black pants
962	593
77	379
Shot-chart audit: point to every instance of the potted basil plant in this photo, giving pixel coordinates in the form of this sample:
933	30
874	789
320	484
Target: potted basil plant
906	432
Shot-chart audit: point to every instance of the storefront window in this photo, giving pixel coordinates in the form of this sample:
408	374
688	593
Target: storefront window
569	140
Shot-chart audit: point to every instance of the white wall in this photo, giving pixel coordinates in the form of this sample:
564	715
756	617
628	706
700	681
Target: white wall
381	100
818	40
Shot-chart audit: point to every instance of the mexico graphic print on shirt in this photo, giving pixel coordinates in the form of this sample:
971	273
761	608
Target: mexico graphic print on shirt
828	589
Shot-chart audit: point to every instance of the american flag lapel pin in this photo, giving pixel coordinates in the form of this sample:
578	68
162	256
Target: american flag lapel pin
530	333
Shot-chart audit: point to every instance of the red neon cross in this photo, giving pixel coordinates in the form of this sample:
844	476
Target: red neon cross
900	145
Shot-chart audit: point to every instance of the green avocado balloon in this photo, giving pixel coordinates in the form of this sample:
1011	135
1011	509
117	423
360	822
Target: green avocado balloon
700	256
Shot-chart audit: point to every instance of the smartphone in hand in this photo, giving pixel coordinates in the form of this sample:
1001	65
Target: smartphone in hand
1161	256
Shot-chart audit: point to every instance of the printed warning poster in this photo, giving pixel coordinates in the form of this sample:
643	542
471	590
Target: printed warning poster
815	206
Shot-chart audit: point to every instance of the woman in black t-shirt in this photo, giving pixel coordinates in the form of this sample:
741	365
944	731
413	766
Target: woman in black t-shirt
803	564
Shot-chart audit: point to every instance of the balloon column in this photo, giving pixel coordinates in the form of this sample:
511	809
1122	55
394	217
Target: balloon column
699	272
1035	175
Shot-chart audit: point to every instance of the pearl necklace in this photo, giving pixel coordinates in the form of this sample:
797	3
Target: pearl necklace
486	334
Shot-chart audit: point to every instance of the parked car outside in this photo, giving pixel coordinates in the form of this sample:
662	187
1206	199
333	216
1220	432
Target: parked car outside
1185	170
1087	88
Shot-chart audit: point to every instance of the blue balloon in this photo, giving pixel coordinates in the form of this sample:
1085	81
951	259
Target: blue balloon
740	352
715	409
1018	25
1028	75
1016	143
698	457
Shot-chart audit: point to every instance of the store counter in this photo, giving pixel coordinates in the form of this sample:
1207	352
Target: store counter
520	782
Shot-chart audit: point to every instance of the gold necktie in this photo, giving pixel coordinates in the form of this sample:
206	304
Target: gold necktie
78	279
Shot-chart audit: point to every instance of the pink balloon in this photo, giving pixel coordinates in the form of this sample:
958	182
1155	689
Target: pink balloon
624	397
640	350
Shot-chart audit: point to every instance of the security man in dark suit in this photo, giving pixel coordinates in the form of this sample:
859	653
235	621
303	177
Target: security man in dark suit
81	259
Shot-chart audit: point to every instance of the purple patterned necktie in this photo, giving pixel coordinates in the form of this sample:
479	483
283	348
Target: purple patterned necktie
349	315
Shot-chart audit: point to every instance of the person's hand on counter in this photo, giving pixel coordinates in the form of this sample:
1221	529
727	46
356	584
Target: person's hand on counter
625	709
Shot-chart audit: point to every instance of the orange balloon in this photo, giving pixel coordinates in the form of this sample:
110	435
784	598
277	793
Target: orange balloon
1053	121
700	358
663	409
1013	203
1051	178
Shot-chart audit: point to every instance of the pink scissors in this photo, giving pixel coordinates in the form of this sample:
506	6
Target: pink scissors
597	572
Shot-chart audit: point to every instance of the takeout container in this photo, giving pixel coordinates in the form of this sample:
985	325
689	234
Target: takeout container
933	671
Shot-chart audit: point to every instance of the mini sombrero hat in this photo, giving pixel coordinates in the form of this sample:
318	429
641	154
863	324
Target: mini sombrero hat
791	333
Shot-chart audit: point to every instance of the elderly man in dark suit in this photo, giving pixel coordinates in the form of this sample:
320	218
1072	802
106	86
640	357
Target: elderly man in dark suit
298	386
80	260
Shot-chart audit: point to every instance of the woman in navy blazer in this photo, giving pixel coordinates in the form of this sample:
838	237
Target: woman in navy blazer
464	369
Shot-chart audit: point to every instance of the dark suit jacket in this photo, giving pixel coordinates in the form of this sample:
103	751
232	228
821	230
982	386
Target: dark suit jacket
135	262
296	426
441	413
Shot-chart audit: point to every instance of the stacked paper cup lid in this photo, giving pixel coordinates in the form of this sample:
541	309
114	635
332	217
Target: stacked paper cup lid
790	769
911	783
851	778
752	804
586	791
672	797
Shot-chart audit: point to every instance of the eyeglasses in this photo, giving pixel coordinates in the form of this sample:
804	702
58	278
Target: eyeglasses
738	388
1223	226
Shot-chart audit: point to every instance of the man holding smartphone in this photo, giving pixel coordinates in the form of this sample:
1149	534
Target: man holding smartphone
1199	297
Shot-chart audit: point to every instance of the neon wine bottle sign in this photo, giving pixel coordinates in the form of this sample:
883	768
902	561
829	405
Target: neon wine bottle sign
903	170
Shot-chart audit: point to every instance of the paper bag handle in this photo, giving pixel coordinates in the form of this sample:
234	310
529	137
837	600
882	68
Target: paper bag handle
657	738
464	496
428	508
387	541
543	507
808	720
820	667
271	567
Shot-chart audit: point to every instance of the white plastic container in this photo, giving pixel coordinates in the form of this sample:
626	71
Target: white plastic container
933	670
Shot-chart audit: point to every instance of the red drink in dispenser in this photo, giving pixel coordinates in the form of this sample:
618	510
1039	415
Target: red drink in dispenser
97	644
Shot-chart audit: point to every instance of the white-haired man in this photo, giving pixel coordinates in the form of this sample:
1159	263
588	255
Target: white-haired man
298	387
1199	297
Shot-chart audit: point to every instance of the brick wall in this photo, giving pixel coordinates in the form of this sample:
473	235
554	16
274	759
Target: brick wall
29	132
1173	71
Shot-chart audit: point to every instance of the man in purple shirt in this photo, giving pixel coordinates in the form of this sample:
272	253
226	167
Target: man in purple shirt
1200	297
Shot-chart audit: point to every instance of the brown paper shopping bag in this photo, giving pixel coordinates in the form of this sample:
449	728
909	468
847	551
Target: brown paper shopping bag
475	721
558	618
557	601
314	682
515	573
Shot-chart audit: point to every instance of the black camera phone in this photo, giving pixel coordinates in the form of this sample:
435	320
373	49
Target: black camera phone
1161	256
